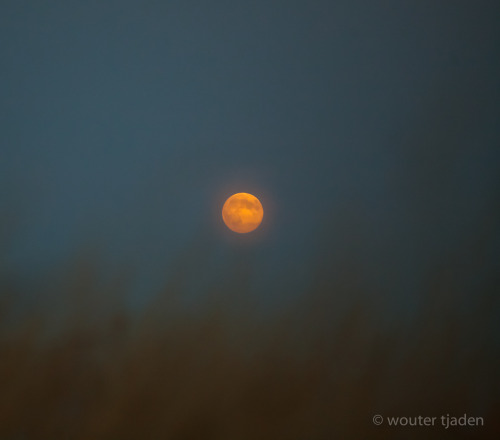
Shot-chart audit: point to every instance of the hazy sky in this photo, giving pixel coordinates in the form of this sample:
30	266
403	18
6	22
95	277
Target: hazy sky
125	125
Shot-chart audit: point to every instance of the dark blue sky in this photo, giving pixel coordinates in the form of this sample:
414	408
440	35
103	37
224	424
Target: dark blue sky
370	127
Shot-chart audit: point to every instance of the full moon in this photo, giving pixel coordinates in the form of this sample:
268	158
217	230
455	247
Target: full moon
242	213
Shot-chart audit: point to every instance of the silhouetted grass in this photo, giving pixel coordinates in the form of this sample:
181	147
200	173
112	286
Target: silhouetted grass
320	370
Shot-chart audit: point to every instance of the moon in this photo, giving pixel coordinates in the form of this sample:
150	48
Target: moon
242	213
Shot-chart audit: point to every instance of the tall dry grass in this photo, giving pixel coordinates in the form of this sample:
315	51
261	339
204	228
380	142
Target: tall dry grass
320	369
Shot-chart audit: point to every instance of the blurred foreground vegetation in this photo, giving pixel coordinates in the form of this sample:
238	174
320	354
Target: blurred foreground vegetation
87	368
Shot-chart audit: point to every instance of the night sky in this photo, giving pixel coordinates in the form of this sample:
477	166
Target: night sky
365	128
370	132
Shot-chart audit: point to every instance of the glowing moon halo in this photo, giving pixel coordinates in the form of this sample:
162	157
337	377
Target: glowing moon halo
242	213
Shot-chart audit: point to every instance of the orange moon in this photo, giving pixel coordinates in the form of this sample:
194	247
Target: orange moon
242	213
